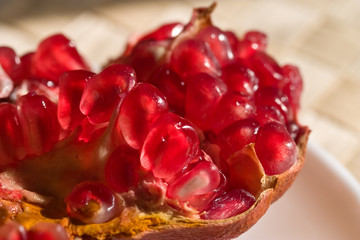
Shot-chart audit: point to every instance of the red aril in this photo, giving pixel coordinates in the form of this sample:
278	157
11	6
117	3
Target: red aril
272	96
231	108
229	204
12	231
11	137
253	41
166	31
173	87
104	91
275	148
54	56
200	177
139	110
170	145
293	85
47	231
38	120
217	42
266	69
92	202
71	88
193	56
239	78
11	64
122	169
236	136
203	92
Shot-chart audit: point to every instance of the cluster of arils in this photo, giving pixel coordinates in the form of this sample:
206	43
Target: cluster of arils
190	119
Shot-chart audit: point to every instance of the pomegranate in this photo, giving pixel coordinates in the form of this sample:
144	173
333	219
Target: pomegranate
191	133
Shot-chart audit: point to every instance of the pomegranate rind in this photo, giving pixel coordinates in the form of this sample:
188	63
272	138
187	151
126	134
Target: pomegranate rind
135	224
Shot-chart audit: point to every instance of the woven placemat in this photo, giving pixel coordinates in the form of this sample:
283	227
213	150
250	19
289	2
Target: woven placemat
321	37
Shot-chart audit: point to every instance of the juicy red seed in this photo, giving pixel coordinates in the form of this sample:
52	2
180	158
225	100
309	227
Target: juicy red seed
272	96
200	177
38	118
166	31
218	43
92	202
46	89
275	148
144	58
104	91
12	231
47	231
229	204
27	65
203	92
236	136
265	114
11	137
193	56
233	40
173	87
139	110
231	108
170	145
266	69
294	130
71	88
252	42
54	56
6	84
122	169
11	64
293	85
239	78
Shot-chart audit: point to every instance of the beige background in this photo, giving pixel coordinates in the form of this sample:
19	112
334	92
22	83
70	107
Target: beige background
321	37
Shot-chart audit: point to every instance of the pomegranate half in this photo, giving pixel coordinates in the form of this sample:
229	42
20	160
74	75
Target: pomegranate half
191	133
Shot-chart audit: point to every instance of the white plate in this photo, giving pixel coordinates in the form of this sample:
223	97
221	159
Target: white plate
323	203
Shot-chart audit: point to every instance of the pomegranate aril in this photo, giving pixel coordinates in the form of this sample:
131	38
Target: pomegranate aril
236	136
144	58
139	110
104	91
47	231
27	65
198	178
252	42
11	64
272	96
275	148
229	204
293	85
218	43
193	56
266	69
122	169
203	92
38	118
92	202
173	87
265	114
231	108
71	88
240	79
166	31
54	56
6	84
12	231
11	137
46	89
233	40
170	145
